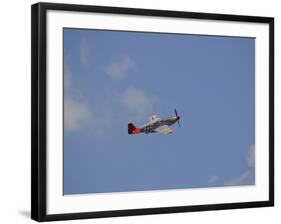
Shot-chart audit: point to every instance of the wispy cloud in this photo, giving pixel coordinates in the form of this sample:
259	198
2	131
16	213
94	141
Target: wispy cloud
120	67
248	176
76	112
113	104
251	156
138	102
85	52
212	179
67	77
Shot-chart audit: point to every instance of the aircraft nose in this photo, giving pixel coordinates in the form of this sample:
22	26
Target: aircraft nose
177	118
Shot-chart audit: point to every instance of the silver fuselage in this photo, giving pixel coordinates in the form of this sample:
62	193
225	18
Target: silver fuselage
150	127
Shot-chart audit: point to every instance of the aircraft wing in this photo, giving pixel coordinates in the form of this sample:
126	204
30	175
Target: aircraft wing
164	129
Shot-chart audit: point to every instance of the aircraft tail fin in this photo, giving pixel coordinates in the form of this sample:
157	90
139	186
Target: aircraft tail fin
132	129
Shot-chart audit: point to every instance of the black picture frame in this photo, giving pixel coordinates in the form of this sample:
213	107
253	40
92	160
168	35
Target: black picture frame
39	121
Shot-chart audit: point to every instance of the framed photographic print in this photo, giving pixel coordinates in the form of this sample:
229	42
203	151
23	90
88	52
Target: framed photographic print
139	111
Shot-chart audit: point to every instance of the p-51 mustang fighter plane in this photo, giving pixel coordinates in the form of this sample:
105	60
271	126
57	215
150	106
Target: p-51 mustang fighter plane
155	124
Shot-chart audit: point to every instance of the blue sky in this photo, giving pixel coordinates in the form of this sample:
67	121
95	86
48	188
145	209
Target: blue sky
113	78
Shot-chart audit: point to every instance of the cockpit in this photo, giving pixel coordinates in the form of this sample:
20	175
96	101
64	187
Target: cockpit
154	118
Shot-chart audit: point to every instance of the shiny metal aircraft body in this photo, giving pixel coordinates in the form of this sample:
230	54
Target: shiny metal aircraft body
155	124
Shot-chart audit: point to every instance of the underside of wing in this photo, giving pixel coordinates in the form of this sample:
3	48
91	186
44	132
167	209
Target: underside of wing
165	129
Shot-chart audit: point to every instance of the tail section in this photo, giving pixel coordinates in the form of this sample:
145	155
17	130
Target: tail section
133	130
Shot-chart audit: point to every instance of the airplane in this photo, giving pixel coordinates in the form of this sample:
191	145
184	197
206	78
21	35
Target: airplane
155	124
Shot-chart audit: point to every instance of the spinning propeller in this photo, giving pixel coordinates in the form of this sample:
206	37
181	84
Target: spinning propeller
178	117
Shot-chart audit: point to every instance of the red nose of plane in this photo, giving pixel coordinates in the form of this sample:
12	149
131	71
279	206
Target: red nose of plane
178	117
